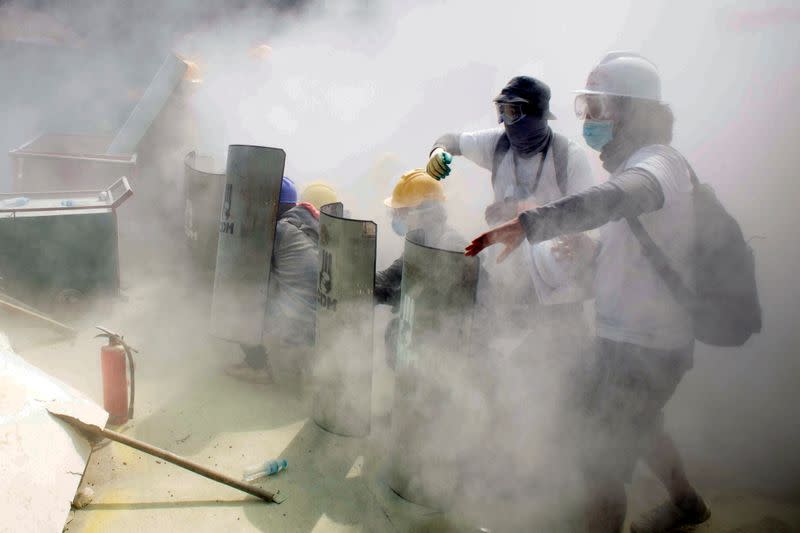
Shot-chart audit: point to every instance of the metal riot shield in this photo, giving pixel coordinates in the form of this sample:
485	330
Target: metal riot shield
345	315
202	191
432	382
246	236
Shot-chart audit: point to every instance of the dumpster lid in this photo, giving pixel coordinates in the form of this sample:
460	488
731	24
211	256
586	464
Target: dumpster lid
71	146
148	108
22	203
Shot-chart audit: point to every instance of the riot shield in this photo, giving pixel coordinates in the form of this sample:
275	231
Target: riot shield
246	236
438	295
202	193
345	317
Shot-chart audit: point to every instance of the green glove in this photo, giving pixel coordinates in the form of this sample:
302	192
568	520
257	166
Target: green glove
439	164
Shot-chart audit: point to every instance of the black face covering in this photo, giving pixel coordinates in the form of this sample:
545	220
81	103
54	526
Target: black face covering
528	135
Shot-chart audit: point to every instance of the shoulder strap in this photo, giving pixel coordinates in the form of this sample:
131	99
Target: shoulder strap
657	257
692	176
659	260
560	146
560	157
500	151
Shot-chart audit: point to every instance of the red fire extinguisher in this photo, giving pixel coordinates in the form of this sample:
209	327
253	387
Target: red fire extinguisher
115	382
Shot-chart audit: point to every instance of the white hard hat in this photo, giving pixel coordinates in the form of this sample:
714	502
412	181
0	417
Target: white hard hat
624	74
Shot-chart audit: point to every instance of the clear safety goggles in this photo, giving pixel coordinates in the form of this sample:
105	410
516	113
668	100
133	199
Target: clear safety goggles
509	113
593	107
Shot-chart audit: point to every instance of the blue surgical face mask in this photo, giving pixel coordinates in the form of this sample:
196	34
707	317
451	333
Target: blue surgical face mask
399	226
598	133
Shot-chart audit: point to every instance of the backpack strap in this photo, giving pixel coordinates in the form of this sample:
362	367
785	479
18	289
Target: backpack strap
692	176
659	260
657	257
504	145
560	158
500	150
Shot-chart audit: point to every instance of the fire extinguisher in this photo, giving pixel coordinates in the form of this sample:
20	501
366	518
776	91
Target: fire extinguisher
115	383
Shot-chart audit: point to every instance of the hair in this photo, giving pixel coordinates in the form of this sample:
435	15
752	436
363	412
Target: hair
644	121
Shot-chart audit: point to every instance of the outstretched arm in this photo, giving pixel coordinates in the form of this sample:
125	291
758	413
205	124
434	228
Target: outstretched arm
630	194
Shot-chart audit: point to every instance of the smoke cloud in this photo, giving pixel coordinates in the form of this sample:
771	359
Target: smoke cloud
356	92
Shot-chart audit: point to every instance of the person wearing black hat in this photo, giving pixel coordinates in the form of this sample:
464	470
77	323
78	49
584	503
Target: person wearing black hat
533	301
528	161
530	165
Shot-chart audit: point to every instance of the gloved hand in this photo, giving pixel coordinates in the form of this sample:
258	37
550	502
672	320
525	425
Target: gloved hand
439	164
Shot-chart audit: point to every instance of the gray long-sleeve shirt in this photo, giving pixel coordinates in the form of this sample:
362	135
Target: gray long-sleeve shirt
633	304
629	194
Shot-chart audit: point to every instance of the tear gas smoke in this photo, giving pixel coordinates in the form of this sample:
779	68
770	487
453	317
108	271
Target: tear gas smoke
357	93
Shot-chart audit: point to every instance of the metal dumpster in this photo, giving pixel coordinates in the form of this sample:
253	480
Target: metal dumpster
58	162
59	249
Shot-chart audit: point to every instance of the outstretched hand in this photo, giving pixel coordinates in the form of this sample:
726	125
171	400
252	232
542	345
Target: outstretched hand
511	234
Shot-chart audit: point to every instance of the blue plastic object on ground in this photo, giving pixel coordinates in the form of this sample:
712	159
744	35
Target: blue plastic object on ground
266	469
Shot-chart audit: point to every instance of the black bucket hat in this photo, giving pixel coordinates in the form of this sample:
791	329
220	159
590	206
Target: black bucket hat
530	91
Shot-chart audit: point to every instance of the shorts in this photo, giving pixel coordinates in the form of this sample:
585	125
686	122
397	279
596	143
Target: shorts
625	388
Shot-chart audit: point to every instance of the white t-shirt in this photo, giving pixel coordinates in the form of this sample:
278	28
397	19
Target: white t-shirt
632	302
478	147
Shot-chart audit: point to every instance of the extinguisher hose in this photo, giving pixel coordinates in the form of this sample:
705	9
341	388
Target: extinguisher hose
133	379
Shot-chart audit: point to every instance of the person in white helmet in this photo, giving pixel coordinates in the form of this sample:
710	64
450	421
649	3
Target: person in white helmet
644	337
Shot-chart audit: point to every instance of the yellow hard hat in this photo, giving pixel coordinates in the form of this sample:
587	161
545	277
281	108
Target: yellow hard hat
415	187
318	194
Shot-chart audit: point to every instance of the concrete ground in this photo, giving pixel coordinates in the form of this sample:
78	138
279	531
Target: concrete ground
185	403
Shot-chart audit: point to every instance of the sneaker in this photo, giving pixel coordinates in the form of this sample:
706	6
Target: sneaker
669	517
245	372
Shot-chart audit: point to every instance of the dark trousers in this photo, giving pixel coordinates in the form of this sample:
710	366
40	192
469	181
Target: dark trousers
255	356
